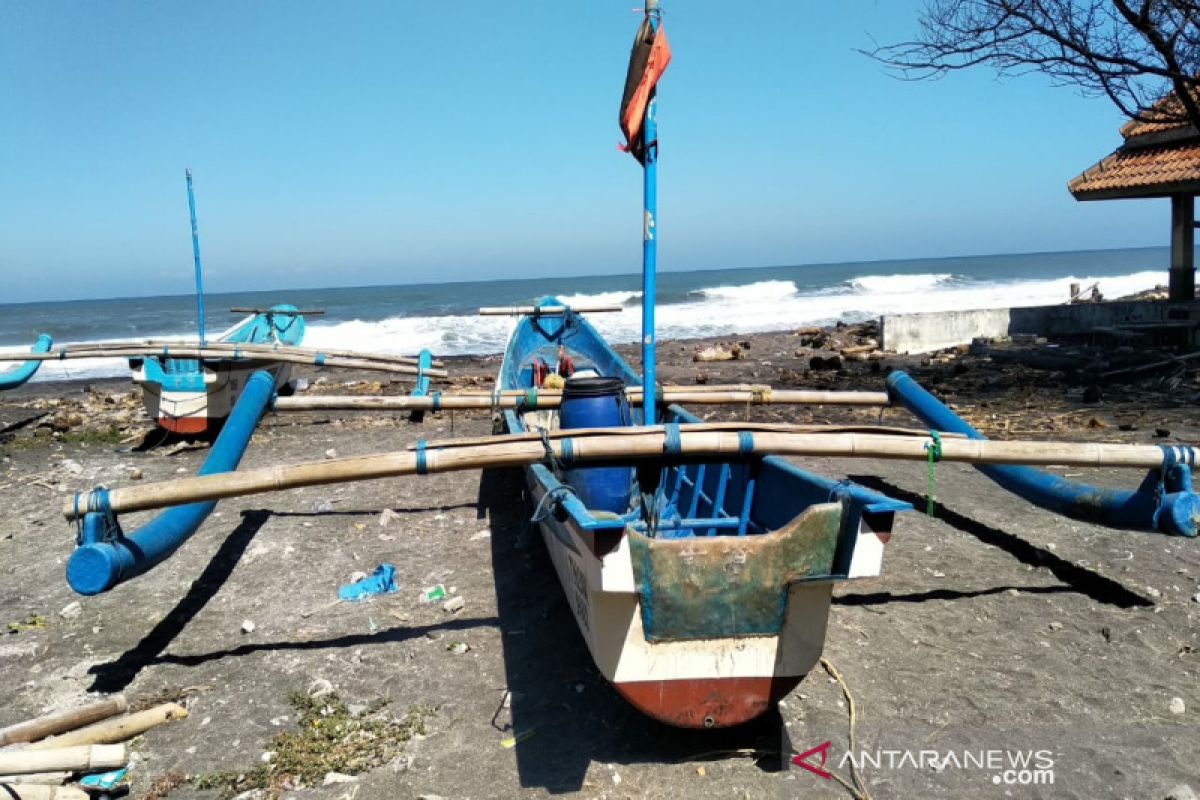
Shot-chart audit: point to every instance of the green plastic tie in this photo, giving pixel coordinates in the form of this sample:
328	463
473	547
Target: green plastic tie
933	451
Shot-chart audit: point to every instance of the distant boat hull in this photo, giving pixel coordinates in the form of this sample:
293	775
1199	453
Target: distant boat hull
194	412
194	397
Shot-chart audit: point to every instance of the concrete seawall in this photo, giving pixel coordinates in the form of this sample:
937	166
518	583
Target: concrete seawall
934	330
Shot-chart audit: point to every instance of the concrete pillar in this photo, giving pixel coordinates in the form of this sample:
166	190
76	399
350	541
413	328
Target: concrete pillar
1183	236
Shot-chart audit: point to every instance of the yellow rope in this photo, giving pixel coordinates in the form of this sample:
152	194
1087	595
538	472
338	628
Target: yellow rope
857	789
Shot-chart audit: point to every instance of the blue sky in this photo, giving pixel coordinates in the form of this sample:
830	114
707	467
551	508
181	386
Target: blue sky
397	142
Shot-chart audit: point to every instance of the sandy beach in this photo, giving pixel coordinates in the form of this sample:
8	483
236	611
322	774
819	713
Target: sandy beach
995	626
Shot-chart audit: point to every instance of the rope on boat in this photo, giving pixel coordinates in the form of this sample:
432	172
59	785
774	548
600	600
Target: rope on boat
542	510
933	450
672	443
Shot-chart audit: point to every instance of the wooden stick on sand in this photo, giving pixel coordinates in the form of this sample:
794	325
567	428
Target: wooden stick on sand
115	730
50	724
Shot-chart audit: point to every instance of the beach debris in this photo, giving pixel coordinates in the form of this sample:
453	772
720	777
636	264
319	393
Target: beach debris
833	362
433	594
386	516
454	605
115	729
72	466
1176	706
31	622
483	534
1161	433
248	626
71	610
513	741
104	781
716	353
81	758
319	688
1182	792
458	648
29	791
61	721
135	474
381	581
331	453
332	778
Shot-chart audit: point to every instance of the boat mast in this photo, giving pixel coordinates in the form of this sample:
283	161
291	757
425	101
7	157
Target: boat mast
196	255
649	240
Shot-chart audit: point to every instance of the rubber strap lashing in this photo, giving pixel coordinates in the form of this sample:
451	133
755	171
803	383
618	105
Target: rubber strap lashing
672	443
566	452
531	396
319	359
422	466
745	443
436	398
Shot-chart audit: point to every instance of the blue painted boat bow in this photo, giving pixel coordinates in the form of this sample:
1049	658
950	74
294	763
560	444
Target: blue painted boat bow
19	376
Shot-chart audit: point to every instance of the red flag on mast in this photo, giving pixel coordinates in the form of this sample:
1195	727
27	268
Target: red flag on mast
647	62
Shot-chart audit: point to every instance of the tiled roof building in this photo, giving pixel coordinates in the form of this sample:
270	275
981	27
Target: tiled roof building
1156	159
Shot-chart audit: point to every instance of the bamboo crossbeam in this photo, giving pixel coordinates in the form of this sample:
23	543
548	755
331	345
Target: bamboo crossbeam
506	452
193	351
83	758
115	730
546	311
546	398
312	312
44	778
269	349
50	724
753	427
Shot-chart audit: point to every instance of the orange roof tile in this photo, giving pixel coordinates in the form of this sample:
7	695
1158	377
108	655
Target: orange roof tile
1147	172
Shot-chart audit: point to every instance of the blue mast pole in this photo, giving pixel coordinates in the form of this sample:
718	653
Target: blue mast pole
196	255
649	243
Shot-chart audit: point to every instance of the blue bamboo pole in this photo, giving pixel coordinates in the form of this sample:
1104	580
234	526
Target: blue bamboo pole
106	556
17	377
649	242
196	256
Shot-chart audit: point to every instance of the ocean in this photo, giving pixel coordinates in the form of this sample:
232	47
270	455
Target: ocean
442	317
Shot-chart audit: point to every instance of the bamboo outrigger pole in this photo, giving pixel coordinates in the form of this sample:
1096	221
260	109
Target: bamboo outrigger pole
546	398
546	311
244	347
658	443
208	352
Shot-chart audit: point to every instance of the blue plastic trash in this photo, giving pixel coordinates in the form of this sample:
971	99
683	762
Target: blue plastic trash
381	581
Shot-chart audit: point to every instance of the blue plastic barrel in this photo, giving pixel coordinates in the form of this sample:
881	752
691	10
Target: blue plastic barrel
597	403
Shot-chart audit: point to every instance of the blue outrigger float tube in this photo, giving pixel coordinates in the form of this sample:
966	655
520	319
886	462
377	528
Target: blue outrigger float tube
106	556
709	608
1165	501
21	375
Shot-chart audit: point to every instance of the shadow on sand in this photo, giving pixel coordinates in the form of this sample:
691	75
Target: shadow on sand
575	716
1079	579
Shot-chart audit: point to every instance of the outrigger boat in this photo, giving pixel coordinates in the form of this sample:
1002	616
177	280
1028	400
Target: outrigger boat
698	563
190	388
195	395
706	600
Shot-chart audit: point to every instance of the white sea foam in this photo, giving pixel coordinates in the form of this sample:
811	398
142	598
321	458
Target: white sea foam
750	292
714	311
898	284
